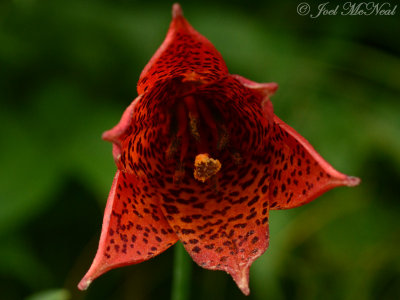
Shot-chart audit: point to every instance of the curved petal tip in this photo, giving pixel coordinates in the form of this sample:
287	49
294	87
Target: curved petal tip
176	10
352	181
241	278
244	287
84	283
266	89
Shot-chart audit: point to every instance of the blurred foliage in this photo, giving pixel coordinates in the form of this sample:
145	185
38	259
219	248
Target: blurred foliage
69	68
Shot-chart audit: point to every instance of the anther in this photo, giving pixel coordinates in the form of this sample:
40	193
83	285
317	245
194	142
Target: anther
194	117
194	126
172	148
223	138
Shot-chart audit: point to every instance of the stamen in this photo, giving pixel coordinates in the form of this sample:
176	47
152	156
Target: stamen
194	126
223	138
180	140
205	167
172	148
193	117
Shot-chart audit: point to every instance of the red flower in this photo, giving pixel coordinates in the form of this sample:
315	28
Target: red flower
202	158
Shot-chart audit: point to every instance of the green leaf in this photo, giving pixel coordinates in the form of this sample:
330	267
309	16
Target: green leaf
57	294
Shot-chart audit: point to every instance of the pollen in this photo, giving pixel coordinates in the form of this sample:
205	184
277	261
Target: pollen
194	126
205	167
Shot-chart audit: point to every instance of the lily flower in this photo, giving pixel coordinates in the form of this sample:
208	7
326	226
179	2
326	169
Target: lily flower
202	158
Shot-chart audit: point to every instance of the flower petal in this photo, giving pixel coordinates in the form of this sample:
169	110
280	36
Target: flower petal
184	53
226	230
298	173
119	131
134	228
265	90
242	110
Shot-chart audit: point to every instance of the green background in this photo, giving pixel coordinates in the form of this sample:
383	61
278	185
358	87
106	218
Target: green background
69	68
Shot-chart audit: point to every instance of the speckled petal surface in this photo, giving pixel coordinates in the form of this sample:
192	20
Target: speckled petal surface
134	229
298	173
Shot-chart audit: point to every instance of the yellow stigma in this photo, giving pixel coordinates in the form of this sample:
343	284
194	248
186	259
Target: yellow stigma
205	167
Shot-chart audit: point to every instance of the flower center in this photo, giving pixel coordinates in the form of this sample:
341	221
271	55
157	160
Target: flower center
196	125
